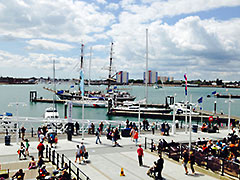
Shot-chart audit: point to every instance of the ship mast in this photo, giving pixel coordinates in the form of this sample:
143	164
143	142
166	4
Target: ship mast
146	74
81	65
110	68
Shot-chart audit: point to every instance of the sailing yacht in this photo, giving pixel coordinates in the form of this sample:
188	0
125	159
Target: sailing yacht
137	107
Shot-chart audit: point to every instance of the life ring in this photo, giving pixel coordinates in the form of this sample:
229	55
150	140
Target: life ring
210	118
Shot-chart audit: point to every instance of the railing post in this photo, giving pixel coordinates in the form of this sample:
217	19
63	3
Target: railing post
78	174
53	157
151	145
32	132
69	165
207	163
222	167
57	160
46	151
145	142
62	160
50	154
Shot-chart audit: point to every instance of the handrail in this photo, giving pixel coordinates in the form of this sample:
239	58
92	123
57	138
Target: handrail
59	159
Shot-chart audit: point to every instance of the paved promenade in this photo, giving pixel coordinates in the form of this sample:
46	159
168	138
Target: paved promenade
105	161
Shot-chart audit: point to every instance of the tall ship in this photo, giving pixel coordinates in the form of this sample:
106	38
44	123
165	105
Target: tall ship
96	98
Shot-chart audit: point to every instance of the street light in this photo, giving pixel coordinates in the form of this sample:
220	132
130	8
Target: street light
17	104
174	124
229	110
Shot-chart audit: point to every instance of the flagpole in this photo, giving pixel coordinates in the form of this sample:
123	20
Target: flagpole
202	114
186	114
190	124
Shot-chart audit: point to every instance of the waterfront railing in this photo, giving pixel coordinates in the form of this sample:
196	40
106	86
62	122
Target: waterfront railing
59	160
215	164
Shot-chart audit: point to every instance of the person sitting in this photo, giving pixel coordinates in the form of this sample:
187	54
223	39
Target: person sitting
42	173
65	176
215	127
65	167
152	170
19	175
204	127
32	164
40	162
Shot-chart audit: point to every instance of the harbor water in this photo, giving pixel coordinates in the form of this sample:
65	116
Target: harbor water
10	94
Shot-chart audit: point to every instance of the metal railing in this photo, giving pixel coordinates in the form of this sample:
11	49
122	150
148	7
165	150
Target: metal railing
216	164
60	159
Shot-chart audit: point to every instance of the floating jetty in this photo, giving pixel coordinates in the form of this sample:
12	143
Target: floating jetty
169	116
34	98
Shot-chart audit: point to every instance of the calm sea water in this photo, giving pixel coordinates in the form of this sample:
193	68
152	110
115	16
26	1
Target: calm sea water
20	93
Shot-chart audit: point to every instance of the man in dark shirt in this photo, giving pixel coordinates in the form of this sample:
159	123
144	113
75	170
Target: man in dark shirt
19	175
159	168
185	160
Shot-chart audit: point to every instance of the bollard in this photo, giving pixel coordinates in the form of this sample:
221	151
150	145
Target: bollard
32	132
19	133
145	142
62	160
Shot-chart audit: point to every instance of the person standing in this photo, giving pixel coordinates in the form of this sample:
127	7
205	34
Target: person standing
140	155
92	128
101	127
192	161
185	160
23	130
27	147
40	148
21	151
135	137
159	167
153	128
77	127
82	151
98	136
78	154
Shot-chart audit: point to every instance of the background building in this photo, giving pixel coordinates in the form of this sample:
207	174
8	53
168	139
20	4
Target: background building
122	77
151	77
165	78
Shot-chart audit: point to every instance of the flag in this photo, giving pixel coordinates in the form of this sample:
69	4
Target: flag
185	77
72	86
200	100
82	82
115	87
214	92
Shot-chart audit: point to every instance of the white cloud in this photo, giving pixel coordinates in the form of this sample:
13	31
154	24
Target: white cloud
48	45
191	43
112	6
102	1
61	19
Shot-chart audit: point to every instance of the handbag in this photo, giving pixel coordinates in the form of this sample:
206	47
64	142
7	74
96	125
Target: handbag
86	155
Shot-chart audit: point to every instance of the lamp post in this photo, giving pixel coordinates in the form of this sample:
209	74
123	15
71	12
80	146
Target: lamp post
174	113
139	119
229	112
17	104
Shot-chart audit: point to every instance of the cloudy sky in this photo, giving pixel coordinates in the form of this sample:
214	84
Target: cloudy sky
200	37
